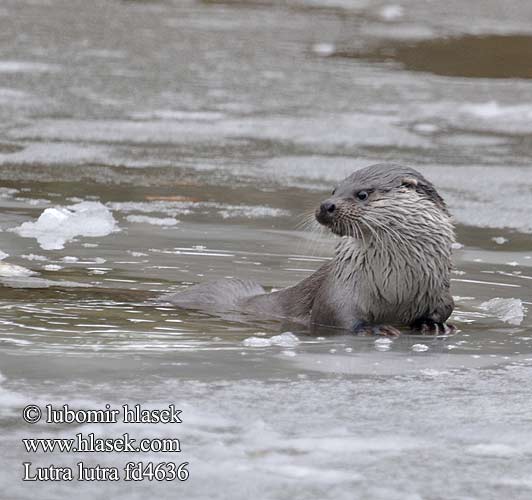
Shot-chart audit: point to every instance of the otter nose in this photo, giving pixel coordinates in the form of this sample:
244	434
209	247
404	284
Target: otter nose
328	207
326	212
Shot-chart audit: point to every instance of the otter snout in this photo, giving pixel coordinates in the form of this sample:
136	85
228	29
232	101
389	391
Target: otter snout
325	212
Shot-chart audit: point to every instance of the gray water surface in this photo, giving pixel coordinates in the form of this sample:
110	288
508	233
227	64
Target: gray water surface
207	132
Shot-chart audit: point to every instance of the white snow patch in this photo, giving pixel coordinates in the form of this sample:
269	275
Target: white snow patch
508	310
3	255
58	225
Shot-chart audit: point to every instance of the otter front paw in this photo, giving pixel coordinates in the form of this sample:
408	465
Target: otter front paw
363	328
427	326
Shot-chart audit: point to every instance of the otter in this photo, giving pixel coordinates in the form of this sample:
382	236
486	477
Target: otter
391	267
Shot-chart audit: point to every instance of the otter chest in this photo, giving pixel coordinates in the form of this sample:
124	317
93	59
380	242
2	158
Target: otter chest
384	289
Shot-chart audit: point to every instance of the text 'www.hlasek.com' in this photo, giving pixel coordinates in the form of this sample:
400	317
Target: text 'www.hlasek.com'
89	443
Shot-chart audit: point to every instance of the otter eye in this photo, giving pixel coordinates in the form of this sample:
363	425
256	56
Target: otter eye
362	195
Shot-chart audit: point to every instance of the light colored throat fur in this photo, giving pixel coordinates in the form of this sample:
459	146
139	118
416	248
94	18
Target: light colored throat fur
390	256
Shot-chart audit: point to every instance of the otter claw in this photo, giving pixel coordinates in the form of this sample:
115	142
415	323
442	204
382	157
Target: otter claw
378	330
430	327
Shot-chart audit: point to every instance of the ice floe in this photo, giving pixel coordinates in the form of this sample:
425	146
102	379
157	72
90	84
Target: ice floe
34	282
12	270
508	310
58	225
286	339
383	344
52	267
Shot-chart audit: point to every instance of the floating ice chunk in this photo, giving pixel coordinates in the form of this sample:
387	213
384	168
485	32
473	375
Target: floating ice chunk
500	240
32	256
32	282
420	347
11	270
256	342
156	221
137	254
7	192
286	339
3	255
70	259
431	372
290	354
383	344
52	267
508	310
58	225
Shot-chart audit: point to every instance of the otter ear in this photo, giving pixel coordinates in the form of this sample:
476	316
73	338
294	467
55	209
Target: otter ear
410	182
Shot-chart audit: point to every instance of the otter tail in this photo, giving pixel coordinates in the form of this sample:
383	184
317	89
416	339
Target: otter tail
220	294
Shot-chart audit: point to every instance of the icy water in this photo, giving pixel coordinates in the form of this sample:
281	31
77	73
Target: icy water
189	139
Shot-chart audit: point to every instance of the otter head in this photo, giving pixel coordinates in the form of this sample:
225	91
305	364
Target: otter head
384	200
